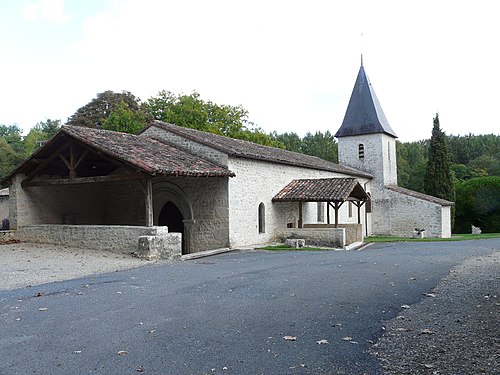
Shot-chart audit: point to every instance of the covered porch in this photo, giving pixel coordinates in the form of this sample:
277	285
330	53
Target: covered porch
107	190
333	192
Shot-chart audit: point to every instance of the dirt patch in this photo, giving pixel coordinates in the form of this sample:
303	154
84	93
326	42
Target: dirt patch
454	330
25	264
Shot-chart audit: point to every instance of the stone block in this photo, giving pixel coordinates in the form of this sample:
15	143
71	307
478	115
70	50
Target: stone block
295	243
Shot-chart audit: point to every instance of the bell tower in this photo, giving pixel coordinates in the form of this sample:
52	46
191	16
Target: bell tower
365	139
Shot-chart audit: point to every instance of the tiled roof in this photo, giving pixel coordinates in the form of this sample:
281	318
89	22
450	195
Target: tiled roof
321	190
150	155
364	114
250	150
418	195
4	192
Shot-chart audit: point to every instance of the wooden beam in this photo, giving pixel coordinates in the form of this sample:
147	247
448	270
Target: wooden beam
300	215
328	212
42	166
82	180
149	202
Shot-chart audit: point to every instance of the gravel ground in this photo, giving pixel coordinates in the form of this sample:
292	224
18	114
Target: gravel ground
454	330
25	264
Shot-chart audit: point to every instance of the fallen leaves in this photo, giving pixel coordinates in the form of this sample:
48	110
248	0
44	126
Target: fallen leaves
321	342
405	307
427	331
42	309
290	338
122	352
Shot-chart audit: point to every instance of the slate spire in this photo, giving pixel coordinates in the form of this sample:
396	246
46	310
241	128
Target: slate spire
364	114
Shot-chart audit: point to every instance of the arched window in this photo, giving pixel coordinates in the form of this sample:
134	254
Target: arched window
262	218
361	151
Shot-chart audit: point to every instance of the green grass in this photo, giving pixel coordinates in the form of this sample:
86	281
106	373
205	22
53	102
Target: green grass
288	248
455	237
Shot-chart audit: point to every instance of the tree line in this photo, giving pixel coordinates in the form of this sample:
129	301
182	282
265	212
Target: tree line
449	162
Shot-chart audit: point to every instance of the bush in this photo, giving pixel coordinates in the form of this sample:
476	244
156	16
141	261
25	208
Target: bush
478	204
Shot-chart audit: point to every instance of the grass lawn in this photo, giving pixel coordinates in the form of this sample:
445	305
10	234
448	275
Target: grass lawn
455	237
288	248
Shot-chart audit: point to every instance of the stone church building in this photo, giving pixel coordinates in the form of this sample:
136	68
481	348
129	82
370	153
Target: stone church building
172	190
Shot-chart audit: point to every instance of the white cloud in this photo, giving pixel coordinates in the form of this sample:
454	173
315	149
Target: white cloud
52	11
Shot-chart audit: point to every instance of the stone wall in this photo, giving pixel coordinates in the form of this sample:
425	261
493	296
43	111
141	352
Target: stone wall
400	214
258	182
327	237
4	208
118	239
204	204
353	232
379	156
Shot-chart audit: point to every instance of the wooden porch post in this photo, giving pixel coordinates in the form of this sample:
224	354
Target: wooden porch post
328	212
300	215
336	214
359	212
149	202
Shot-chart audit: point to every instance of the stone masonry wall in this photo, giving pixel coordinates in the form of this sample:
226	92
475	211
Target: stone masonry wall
118	239
258	181
407	213
379	159
208	201
4	208
75	204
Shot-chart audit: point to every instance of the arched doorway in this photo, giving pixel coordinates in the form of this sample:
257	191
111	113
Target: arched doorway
171	216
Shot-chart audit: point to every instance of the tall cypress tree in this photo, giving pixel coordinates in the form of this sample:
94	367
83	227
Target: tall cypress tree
438	180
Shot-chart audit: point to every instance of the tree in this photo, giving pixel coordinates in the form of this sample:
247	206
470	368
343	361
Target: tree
94	114
291	141
191	111
39	134
124	119
12	134
438	179
9	158
412	164
478	204
322	145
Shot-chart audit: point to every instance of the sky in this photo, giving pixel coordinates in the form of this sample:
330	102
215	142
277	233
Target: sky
291	64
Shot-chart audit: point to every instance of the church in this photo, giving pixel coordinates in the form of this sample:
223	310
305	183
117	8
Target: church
170	191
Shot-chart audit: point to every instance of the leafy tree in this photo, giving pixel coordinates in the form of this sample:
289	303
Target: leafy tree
322	145
12	134
478	204
412	164
94	114
291	141
124	119
9	158
193	112
438	180
39	134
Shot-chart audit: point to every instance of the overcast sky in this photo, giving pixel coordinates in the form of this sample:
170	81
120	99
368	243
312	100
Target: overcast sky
291	64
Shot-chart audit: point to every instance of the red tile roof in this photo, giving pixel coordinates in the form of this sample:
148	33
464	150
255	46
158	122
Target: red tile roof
321	190
416	194
150	155
250	150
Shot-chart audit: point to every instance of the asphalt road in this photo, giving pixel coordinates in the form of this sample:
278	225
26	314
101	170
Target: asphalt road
226	314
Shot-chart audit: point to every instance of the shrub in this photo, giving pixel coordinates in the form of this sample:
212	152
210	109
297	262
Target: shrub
478	203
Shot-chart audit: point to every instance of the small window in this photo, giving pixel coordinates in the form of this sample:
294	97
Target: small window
368	204
321	212
262	218
361	150
350	209
389	150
